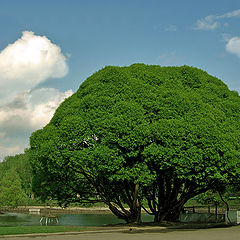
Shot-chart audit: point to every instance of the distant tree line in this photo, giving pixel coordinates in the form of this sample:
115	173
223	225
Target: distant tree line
15	181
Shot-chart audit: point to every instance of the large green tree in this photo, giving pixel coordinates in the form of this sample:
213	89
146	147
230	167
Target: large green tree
160	134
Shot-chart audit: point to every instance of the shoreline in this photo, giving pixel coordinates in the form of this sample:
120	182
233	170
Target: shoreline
49	209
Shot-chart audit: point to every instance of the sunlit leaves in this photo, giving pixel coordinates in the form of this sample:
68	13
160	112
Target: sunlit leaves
135	124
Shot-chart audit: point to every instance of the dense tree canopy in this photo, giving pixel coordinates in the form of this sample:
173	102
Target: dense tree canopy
15	180
141	133
11	191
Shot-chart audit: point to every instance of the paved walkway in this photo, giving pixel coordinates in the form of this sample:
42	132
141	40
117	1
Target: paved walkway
148	234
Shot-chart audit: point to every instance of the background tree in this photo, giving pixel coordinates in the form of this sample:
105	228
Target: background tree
21	164
11	192
15	180
164	134
209	198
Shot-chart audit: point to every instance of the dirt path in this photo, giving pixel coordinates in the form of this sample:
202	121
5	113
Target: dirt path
149	234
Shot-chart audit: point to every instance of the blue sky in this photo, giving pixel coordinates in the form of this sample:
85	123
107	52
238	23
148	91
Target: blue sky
92	34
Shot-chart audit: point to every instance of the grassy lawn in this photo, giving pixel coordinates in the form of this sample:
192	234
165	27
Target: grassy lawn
40	229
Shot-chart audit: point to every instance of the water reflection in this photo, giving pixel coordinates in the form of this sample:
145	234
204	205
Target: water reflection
49	220
19	219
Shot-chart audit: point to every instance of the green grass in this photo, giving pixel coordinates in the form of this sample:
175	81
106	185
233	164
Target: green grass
40	229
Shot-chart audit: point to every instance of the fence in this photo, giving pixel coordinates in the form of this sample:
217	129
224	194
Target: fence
211	209
210	213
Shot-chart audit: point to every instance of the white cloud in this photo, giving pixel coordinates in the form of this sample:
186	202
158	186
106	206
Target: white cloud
233	46
211	22
24	64
234	13
2	134
8	151
205	24
47	102
29	111
32	108
27	62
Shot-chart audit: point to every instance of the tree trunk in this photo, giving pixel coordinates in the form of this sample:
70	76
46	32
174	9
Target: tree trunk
130	216
160	216
173	216
133	214
136	209
169	213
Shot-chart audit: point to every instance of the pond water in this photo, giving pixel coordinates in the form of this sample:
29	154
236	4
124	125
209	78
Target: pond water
20	219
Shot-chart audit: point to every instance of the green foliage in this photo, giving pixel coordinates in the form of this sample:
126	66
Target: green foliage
209	198
22	167
11	192
15	180
174	131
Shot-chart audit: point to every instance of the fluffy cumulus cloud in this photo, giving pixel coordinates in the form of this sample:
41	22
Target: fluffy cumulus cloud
27	62
233	46
211	22
24	107
29	111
